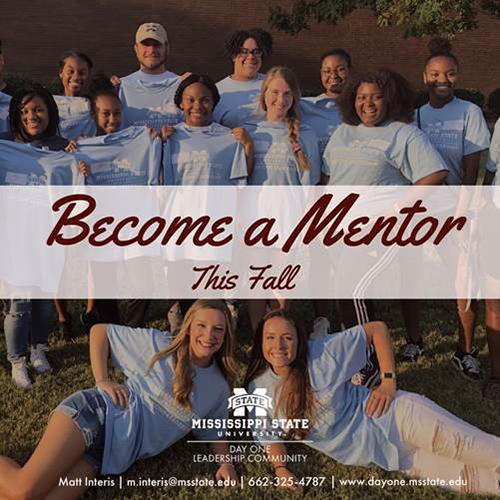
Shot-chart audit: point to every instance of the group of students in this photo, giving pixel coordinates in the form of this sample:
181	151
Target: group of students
172	380
254	129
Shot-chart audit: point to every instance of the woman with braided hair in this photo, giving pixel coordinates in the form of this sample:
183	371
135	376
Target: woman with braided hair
285	150
283	140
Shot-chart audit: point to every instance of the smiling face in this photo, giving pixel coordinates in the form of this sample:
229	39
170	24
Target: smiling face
440	77
108	114
279	344
152	56
334	73
278	99
197	104
369	104
206	335
74	76
248	62
34	116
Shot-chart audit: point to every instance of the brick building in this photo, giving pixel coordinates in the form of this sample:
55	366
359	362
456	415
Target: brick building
36	33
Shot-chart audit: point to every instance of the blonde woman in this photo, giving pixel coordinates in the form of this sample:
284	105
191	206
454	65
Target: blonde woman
106	429
285	151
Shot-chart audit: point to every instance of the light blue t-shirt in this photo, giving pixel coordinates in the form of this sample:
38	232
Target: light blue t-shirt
153	421
456	130
239	102
140	75
149	103
4	112
202	156
27	165
494	154
74	117
394	153
274	160
322	115
342	429
126	157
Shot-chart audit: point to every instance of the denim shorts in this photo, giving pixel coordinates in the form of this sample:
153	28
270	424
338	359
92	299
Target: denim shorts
87	408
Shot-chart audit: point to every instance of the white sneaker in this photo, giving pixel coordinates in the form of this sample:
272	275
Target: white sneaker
39	360
321	327
20	375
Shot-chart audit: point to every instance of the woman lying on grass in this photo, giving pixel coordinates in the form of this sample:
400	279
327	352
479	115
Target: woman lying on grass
356	426
104	430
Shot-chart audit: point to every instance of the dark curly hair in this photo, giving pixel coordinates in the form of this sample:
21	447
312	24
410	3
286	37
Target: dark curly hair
20	99
337	52
236	39
76	55
100	85
440	47
399	96
194	78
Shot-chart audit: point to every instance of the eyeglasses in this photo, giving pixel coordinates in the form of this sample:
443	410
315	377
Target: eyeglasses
247	52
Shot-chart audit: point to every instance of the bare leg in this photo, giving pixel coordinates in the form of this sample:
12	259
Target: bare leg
90	305
78	473
466	324
61	446
61	310
280	304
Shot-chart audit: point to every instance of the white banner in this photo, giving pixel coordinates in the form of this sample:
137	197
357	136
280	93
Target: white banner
249	242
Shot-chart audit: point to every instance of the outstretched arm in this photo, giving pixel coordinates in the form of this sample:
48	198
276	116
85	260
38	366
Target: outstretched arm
381	397
99	353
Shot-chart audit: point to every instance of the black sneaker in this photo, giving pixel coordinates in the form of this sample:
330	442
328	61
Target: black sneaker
369	375
89	319
411	351
468	364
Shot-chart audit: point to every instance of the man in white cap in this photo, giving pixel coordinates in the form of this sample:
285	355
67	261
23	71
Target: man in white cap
151	50
147	95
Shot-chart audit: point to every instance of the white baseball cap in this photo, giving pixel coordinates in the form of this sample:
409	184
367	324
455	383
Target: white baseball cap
151	30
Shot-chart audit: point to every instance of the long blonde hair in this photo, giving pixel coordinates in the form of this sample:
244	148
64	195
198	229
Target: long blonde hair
182	384
293	114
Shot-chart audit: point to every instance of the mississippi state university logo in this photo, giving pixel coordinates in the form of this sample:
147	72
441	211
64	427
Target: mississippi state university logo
258	400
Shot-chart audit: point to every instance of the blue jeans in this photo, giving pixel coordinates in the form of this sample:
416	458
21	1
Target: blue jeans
87	408
22	318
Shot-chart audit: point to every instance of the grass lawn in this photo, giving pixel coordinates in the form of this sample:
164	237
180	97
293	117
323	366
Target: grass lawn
23	414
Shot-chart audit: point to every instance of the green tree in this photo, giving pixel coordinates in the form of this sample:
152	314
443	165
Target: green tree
417	18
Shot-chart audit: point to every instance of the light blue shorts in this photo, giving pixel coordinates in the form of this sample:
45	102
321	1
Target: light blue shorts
87	408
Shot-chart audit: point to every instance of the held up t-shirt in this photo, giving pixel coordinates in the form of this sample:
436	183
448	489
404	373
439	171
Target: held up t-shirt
149	103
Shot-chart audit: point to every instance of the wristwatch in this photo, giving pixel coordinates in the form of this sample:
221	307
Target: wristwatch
384	375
